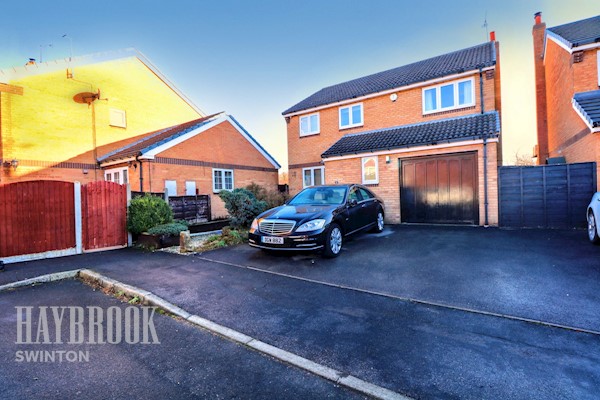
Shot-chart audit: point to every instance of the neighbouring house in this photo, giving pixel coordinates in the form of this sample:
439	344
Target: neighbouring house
425	137
203	156
567	74
55	115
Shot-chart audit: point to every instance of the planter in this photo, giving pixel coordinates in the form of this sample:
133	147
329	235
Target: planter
157	241
209	226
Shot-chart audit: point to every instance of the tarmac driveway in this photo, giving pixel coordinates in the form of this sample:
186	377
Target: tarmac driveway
552	276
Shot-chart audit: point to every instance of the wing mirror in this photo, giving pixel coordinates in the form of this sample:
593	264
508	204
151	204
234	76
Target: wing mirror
352	202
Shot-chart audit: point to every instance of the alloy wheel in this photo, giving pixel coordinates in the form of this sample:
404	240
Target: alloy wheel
335	240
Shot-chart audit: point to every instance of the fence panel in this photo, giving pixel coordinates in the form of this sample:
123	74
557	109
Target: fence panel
37	216
104	215
193	209
546	196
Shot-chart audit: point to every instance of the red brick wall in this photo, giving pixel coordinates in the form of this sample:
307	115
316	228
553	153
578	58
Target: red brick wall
379	112
568	135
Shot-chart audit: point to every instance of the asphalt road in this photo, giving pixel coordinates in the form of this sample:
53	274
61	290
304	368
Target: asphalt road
415	349
188	362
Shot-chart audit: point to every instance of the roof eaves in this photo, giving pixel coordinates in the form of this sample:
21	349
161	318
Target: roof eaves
130	145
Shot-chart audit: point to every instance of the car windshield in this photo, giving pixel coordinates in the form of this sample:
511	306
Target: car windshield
320	195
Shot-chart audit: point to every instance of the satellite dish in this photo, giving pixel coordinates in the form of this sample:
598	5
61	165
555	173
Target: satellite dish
86	97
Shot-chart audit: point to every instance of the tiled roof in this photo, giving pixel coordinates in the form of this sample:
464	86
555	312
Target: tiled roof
588	104
155	139
481	56
427	133
578	33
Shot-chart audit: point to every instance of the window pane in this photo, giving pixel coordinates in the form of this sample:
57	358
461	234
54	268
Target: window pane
307	177
356	117
108	177
369	170
125	176
345	117
465	92
314	123
318	176
228	180
447	95
304	125
217	180
430	100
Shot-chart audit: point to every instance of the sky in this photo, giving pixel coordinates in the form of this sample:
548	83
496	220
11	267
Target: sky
254	59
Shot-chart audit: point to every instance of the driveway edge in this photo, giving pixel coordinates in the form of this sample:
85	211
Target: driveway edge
58	276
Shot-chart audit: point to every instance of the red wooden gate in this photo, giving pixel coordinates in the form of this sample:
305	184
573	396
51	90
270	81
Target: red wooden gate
104	215
36	216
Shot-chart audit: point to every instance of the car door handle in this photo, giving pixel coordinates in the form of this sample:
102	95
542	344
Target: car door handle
363	206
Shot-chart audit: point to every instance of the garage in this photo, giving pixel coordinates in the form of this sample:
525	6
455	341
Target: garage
439	189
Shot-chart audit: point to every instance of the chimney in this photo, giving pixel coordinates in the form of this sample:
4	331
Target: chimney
492	36
539	36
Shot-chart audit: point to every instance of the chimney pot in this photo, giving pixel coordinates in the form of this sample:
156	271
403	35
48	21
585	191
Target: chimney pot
538	17
492	36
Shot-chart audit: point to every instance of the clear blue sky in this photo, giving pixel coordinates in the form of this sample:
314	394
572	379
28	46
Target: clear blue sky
254	59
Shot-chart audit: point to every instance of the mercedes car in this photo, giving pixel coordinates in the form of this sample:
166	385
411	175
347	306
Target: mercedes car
318	218
593	213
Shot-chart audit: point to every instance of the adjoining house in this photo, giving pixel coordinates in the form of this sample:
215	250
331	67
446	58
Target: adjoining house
55	115
203	156
567	73
425	137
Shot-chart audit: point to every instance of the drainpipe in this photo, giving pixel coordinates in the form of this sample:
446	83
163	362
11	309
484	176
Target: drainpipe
141	174
485	173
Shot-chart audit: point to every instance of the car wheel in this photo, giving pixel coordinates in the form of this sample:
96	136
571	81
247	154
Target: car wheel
379	222
593	228
333	241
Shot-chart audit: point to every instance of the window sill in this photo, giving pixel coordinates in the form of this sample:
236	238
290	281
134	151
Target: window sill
350	127
309	135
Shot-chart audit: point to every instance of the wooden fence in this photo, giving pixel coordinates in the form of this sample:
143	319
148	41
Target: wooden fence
43	219
193	209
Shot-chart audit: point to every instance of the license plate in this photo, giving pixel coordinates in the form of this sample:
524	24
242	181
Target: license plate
272	240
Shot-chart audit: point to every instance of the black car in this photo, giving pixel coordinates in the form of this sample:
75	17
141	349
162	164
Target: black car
318	218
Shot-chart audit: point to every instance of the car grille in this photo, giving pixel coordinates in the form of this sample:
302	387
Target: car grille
276	227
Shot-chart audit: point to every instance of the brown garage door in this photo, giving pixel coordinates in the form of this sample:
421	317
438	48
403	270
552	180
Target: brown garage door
440	189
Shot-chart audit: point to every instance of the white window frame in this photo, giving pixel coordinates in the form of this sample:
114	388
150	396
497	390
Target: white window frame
117	118
174	183
312	176
352	124
438	96
190	188
222	178
309	133
123	175
363	162
598	65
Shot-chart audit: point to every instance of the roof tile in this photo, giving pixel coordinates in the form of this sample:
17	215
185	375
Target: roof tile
588	103
579	33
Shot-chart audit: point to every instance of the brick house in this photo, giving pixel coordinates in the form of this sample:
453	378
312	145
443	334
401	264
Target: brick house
567	73
47	131
425	137
203	156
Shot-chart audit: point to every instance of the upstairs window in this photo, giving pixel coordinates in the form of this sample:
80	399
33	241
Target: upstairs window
449	96
309	125
351	116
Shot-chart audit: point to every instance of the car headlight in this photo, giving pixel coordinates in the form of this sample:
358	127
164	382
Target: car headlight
254	226
311	225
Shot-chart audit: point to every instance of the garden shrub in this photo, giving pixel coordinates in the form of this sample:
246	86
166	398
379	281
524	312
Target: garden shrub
242	206
146	212
171	229
271	197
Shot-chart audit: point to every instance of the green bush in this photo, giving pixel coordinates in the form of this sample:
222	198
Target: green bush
271	197
146	212
171	229
242	206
